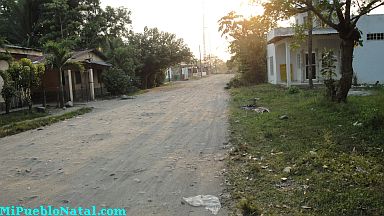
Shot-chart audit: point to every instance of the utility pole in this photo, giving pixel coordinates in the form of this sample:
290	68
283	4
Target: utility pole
204	45
204	39
201	70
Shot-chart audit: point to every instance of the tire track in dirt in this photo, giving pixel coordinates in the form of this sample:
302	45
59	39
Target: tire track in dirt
143	154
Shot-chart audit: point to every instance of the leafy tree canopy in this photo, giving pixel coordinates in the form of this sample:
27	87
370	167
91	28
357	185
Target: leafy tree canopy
158	51
32	23
247	44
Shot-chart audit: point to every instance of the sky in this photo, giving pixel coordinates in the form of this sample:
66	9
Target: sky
185	19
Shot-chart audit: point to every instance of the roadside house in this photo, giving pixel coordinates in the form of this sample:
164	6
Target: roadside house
17	53
182	71
368	64
78	86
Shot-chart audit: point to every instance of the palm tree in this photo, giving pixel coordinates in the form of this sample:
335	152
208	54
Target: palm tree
58	58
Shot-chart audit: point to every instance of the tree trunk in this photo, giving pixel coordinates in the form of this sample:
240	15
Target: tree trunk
145	81
29	92
44	98
29	102
7	106
43	90
61	90
347	46
310	39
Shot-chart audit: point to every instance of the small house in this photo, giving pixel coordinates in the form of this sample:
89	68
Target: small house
290	66
182	71
78	86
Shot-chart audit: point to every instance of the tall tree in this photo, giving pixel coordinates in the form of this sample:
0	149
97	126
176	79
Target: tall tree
341	16
32	23
158	51
247	44
117	22
123	55
19	21
61	20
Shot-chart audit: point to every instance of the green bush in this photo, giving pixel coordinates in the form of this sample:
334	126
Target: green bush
372	118
237	81
293	90
117	82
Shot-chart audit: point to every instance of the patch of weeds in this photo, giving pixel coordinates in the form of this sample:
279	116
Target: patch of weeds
22	126
19	116
317	162
268	135
248	208
293	90
371	117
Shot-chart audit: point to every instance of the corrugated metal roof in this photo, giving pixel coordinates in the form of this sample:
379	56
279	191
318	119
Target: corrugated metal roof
20	47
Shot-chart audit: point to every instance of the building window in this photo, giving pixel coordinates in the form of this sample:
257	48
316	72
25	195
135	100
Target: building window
271	71
313	66
375	36
78	77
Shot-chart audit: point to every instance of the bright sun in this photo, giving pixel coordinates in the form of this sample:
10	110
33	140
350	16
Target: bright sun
247	9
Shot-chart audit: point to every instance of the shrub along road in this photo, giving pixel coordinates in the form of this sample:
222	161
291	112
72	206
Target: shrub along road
143	155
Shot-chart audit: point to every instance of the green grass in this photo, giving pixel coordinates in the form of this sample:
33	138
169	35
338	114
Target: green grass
336	168
21	126
19	116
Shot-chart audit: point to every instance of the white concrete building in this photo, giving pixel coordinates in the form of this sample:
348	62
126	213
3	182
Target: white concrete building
368	60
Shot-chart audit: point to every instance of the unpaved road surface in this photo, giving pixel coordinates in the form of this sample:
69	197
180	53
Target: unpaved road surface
143	155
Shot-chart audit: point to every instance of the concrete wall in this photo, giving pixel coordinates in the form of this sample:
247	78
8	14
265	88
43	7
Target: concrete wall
271	67
368	60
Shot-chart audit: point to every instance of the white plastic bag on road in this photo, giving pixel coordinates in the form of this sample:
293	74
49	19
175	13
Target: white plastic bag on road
210	202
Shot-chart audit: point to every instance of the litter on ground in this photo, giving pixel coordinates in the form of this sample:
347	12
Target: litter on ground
256	109
211	203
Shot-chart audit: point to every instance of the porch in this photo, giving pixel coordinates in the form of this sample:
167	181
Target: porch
281	53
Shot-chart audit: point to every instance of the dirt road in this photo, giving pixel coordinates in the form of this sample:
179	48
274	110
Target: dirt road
143	155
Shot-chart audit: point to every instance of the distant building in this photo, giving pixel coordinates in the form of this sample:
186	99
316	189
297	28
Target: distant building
182	71
368	60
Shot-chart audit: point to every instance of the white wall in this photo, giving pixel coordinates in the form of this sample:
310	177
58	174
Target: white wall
184	71
329	43
299	18
369	60
168	72
271	53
